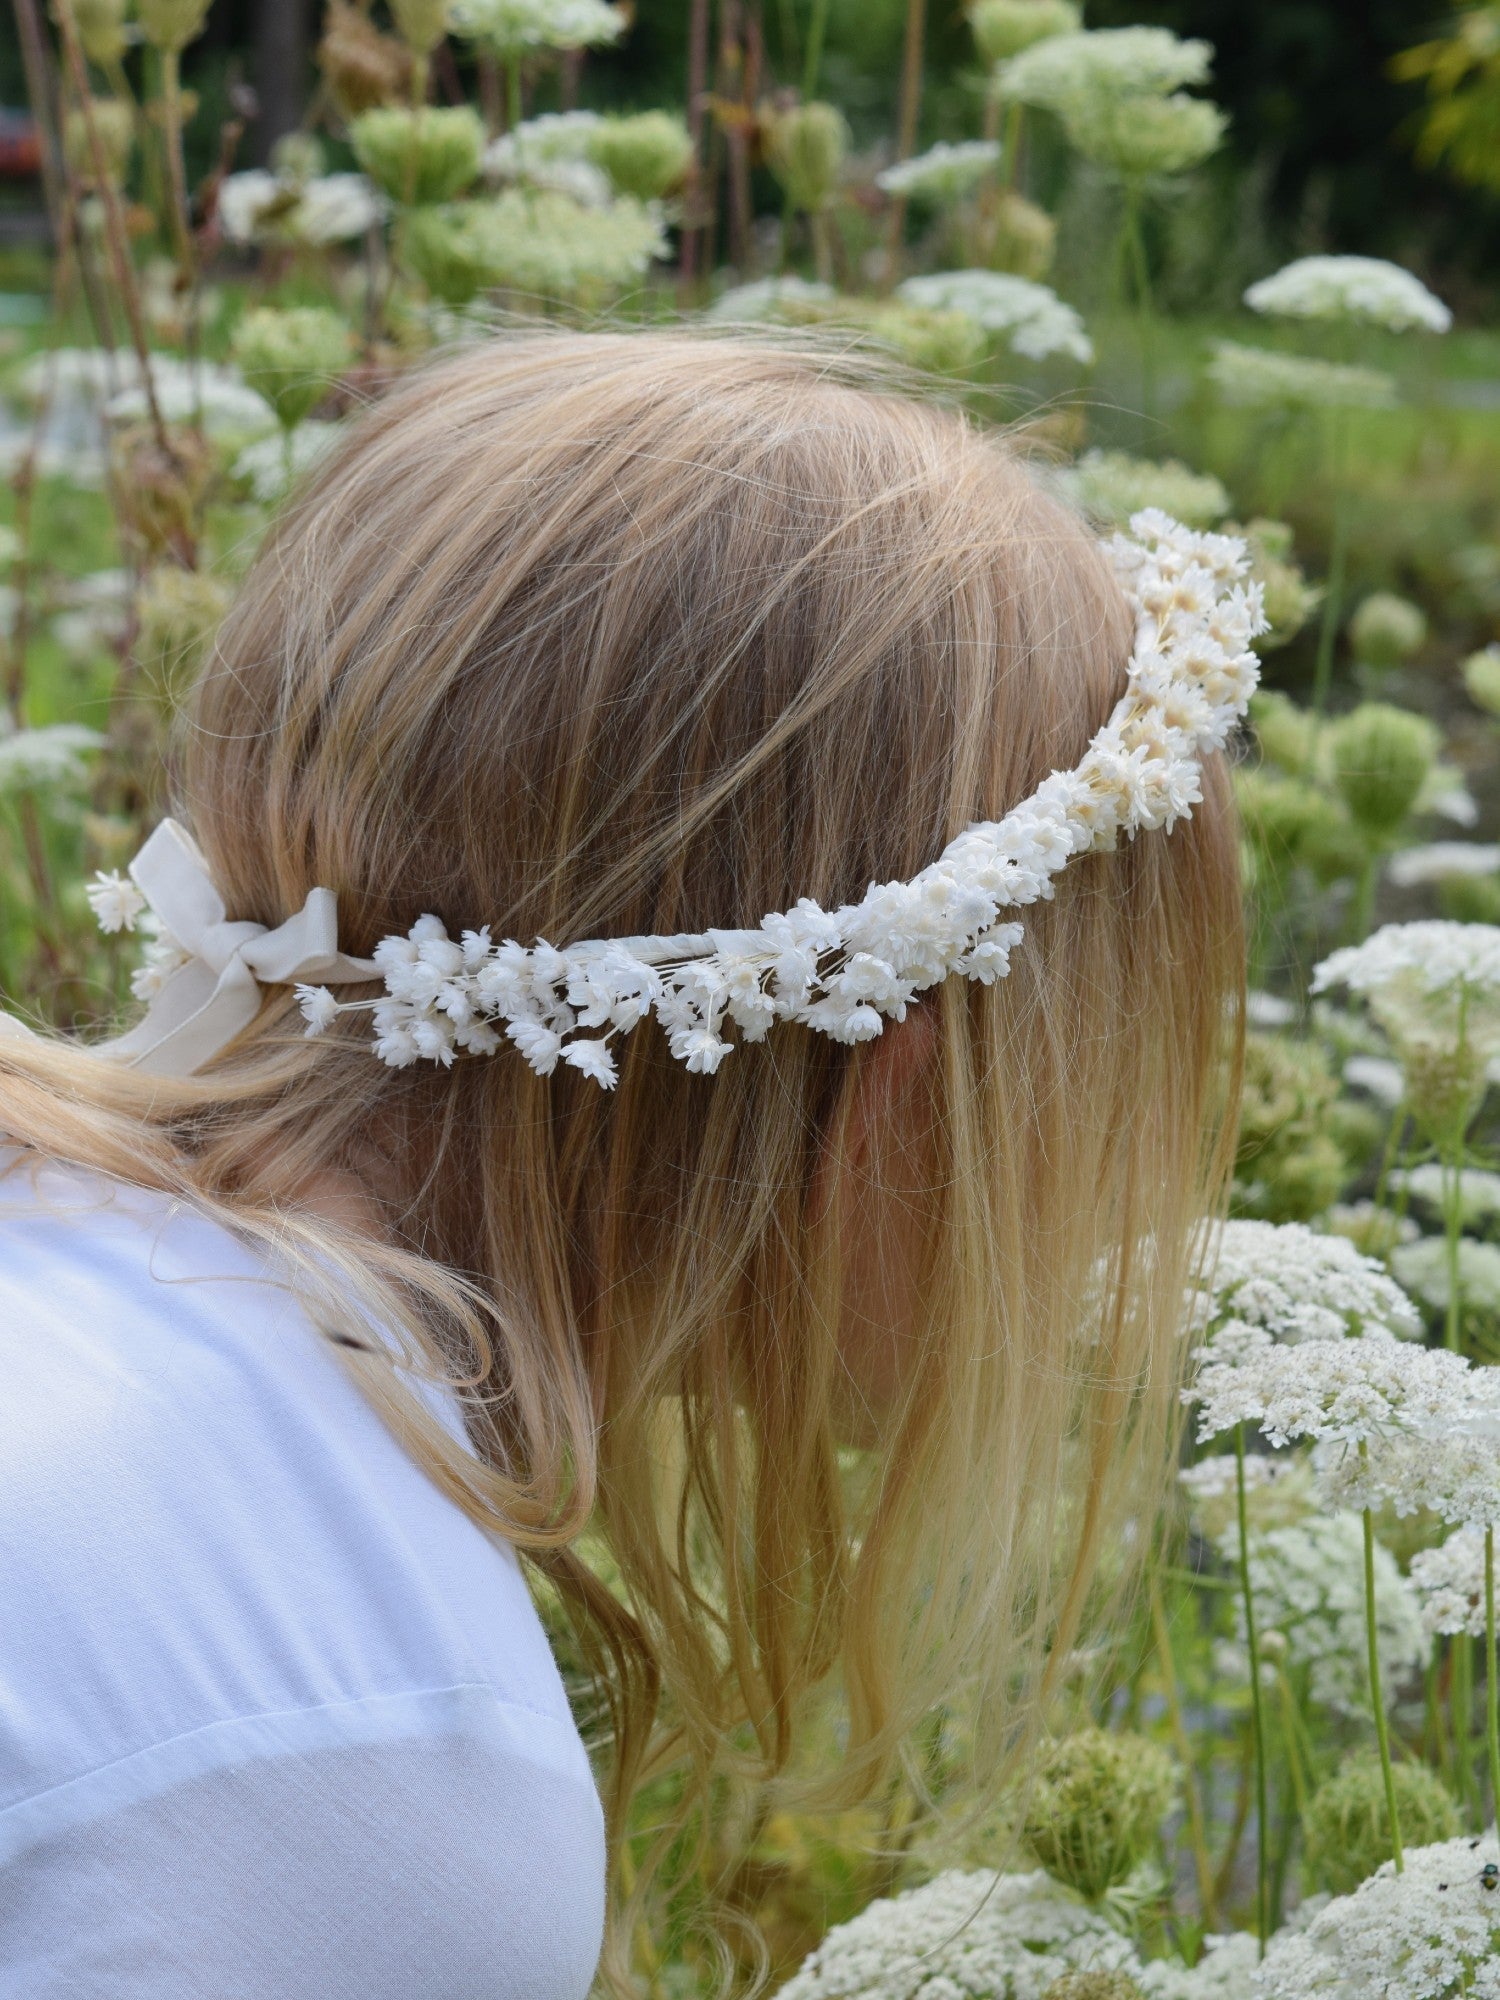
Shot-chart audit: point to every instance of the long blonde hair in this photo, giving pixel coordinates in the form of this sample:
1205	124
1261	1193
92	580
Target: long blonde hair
590	633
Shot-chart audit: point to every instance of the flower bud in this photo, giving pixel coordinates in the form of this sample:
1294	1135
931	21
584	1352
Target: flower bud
1482	678
297	156
1289	598
101	30
1024	238
171	24
114	126
1094	1986
1346	1826
647	155
1381	759
942	343
447	249
419	157
1138	135
179	611
1095	1810
1002	28
291	357
1285	732
805	148
421	24
1386	630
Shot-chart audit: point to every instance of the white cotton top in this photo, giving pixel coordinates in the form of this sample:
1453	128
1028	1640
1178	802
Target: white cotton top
277	1720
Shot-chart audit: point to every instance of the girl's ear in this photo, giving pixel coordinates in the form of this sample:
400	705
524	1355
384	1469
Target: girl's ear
891	1086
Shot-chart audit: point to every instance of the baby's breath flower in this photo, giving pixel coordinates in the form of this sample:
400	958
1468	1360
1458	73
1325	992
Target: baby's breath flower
1034	320
1262	376
1006	1936
1357	288
943	172
1449	1582
115	901
1429	1933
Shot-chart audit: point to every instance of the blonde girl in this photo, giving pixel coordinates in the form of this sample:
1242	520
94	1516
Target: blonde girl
827	1369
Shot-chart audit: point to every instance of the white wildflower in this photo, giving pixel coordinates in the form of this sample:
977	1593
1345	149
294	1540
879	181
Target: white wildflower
1223	1972
1357	288
115	901
1443	861
271	465
1259	376
1068	71
1377	1075
1298	1284
1478	1192
1344	1391
264	208
1007	1937
1308	1583
512	27
594	1059
319	1008
766	298
1034	320
1429	1933
1449	1582
1111	486
48	758
943	172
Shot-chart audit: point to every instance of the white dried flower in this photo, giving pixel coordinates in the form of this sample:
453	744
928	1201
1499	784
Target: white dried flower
1007	1937
1429	1933
1261	376
115	901
1034	320
1449	1582
1357	288
943	172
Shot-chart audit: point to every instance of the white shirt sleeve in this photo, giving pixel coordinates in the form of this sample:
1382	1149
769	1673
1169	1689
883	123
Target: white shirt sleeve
276	1718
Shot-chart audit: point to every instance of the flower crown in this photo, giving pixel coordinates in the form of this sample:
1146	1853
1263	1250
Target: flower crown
842	972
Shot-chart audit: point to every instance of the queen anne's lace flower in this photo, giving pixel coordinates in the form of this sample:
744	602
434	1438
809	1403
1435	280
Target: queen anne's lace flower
1429	1933
1449	1582
514	26
1442	861
845	972
260	207
1346	1392
766	298
1361	288
48	757
1261	375
1056	75
1007	1937
1297	1284
1034	320
943	172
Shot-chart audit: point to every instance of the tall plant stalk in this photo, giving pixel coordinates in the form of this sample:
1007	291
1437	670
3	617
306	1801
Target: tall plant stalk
1491	1685
906	128
1377	1700
1257	1702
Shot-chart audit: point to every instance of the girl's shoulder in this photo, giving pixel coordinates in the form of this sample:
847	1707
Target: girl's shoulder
221	1566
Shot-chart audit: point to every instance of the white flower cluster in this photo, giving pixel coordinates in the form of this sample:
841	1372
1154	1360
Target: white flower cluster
553	150
514	26
1358	288
1297	1284
1422	1267
47	758
845	972
1279	1492
112	382
1443	861
1437	956
1033	319
1425	1934
1308	1583
943	172
271	465
260	207
1449	1582
766	298
1345	1392
1447	1461
1111	486
1262	376
1125	62
1007	1937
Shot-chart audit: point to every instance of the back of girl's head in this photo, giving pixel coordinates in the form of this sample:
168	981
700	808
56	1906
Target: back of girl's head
580	635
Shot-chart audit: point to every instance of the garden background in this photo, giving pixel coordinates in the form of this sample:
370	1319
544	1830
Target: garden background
1238	263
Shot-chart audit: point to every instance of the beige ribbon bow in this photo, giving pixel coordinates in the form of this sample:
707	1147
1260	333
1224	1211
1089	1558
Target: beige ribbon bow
205	1003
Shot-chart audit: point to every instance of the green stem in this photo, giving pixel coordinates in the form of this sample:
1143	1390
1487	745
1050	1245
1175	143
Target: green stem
1257	1709
1382	1735
1491	1685
512	93
1141	269
1461	1697
177	200
1198	1832
1333	600
816	27
1010	155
